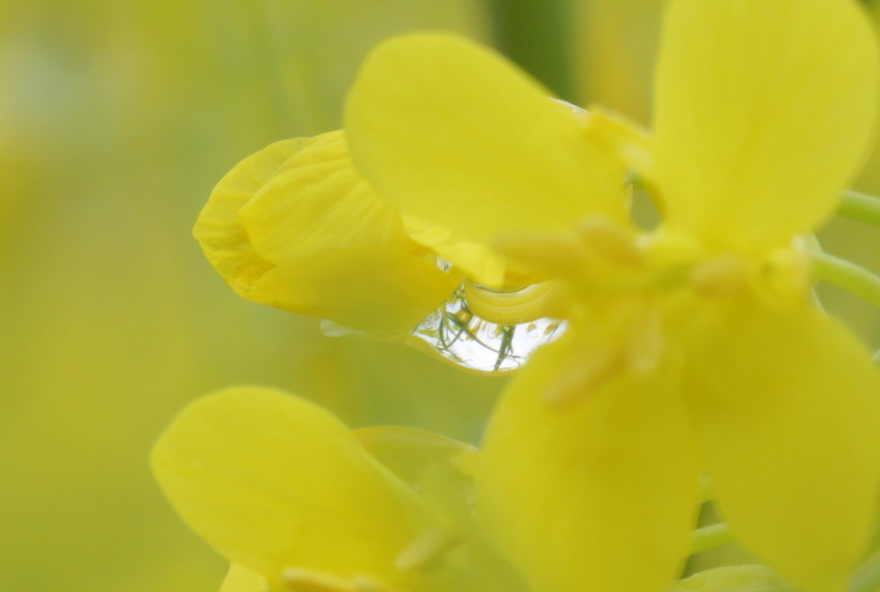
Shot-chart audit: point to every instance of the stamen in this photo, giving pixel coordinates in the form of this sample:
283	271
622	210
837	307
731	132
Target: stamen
723	277
550	254
300	579
645	346
787	274
514	307
430	546
611	242
364	583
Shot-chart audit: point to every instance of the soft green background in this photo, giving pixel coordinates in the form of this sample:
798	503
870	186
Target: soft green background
116	118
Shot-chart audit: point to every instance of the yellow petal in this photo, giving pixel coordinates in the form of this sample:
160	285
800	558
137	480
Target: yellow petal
312	238
788	404
375	288
599	495
763	113
452	133
317	200
272	481
475	260
479	262
242	579
409	452
223	240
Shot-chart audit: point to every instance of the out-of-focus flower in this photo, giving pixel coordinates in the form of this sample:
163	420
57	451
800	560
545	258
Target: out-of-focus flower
298	502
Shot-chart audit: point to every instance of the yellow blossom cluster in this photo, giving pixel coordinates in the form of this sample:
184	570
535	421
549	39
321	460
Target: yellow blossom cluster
692	349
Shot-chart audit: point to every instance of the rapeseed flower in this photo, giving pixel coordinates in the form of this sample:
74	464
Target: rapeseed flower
337	251
692	349
298	502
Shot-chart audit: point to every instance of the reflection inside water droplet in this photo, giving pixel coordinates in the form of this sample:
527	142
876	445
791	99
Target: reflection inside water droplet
462	337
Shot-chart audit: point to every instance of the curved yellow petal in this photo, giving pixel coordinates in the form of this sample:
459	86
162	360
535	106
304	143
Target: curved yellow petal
273	481
296	227
598	495
315	201
224	241
242	579
474	260
452	133
788	405
763	111
374	288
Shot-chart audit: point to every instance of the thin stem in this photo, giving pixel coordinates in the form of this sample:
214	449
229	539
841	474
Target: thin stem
860	206
867	579
536	35
710	537
848	276
706	489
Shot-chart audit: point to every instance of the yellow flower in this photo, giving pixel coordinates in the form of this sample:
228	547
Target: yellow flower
336	251
692	349
296	225
299	503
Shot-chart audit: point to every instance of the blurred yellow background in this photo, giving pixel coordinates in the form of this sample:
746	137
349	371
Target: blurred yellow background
116	119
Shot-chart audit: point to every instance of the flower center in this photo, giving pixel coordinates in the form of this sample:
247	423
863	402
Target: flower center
300	579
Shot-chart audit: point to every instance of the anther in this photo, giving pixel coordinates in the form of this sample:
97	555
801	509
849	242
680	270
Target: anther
364	583
723	277
787	274
428	547
300	579
645	346
611	242
548	254
513	307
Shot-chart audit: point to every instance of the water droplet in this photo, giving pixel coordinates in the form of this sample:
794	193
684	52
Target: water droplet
462	337
444	264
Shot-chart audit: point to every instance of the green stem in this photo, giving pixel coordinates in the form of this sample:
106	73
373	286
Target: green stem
860	206
867	579
537	35
848	276
706	489
710	537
